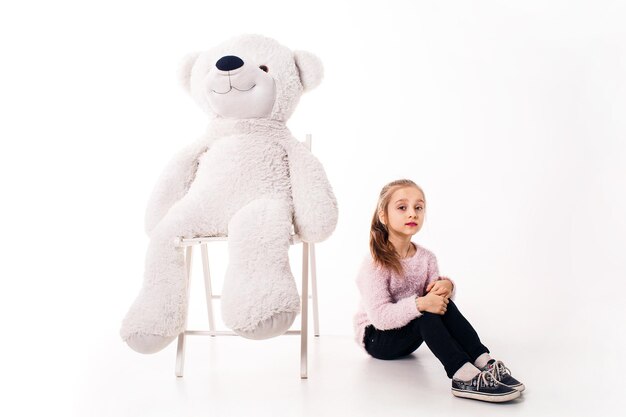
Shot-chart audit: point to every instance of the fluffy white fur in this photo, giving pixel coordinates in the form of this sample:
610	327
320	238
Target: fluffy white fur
247	178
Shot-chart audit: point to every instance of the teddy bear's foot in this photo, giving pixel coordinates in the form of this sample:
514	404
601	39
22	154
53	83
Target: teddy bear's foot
155	319
273	326
150	343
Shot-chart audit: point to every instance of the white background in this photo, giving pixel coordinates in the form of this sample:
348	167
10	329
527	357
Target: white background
510	115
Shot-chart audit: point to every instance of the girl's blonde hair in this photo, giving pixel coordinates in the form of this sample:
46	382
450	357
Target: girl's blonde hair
383	252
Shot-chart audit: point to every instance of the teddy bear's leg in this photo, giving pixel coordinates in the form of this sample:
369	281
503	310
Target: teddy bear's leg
158	313
259	296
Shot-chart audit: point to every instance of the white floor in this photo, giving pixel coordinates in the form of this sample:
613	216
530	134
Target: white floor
230	376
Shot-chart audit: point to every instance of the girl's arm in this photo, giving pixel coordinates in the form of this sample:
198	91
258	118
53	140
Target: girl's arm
434	281
382	311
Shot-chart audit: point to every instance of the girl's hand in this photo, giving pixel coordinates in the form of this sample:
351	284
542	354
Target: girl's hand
441	287
432	303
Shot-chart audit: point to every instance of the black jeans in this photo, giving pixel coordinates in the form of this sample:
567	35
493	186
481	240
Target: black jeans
449	336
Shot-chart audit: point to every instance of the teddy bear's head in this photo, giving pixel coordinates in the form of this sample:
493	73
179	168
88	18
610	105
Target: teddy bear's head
250	76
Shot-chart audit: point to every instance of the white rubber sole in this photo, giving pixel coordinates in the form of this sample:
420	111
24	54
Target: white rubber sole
491	398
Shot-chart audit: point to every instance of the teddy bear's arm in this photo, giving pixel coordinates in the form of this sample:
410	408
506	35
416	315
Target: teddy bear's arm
315	206
173	183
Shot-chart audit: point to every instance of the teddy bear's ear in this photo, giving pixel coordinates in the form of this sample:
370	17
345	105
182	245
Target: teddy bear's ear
310	68
184	70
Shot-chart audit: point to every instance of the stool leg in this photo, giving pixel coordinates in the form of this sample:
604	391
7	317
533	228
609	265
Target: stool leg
180	355
208	289
180	349
316	317
305	309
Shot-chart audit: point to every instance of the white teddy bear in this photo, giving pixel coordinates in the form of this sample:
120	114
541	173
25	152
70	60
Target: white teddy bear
247	178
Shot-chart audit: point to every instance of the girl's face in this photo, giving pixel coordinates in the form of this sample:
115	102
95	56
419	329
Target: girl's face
405	212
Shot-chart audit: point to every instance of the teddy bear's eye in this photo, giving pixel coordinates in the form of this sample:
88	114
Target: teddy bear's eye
264	68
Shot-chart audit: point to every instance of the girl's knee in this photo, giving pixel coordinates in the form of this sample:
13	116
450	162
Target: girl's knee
451	307
429	316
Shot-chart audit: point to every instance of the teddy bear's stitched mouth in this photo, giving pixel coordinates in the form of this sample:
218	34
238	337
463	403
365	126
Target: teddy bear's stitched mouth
233	87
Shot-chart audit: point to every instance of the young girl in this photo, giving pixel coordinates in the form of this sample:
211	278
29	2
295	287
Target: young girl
405	302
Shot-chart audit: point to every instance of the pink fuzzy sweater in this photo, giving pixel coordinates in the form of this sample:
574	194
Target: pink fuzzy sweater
388	299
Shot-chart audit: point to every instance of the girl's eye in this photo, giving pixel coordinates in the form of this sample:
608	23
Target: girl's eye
419	208
264	68
401	207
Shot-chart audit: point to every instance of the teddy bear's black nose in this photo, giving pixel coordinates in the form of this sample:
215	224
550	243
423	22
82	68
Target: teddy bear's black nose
229	63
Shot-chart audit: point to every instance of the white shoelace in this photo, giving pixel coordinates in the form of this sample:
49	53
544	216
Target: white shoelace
499	370
483	379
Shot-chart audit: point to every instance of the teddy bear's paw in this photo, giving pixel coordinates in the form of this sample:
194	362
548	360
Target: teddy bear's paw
148	343
155	318
273	326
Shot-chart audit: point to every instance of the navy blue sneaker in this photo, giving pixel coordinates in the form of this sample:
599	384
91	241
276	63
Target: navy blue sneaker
502	374
484	387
